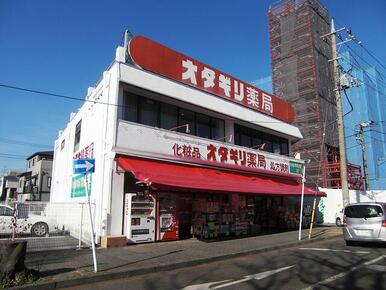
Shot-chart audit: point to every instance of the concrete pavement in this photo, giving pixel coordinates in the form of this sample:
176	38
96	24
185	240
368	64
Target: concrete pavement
74	267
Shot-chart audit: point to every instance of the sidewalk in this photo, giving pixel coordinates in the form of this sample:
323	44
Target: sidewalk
75	267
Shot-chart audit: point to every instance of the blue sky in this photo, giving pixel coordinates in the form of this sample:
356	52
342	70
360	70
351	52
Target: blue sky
64	46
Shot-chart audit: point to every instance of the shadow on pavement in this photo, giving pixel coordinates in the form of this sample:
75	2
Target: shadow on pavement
142	260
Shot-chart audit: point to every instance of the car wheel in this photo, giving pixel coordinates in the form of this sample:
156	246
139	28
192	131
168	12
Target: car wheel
338	222
39	229
350	243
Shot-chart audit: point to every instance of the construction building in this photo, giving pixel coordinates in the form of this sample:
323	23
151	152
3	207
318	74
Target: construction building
302	74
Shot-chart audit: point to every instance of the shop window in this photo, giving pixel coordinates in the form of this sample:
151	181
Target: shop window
245	137
276	144
252	138
130	112
217	129
169	116
157	114
203	126
186	117
77	136
284	149
256	138
149	112
267	140
237	135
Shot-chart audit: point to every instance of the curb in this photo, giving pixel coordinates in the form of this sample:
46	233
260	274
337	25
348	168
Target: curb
94	278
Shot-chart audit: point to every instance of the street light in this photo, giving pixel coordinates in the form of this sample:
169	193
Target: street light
302	197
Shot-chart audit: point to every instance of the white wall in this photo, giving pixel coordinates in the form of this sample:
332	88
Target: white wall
98	128
333	202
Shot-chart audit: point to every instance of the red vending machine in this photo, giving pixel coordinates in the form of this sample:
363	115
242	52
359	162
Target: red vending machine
168	228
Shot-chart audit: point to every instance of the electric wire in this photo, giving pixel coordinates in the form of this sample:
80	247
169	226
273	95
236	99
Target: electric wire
373	55
103	103
17	142
360	68
348	100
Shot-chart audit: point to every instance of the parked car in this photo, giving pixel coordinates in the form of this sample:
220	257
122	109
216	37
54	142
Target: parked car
36	225
339	217
364	222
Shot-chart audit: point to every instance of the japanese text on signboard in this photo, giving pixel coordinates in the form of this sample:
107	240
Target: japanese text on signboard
218	82
231	156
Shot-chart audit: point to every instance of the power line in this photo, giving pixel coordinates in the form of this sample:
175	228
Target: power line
55	95
105	103
365	61
360	68
378	131
367	84
372	55
17	142
12	156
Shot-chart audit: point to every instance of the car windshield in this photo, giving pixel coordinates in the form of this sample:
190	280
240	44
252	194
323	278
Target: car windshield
363	211
5	211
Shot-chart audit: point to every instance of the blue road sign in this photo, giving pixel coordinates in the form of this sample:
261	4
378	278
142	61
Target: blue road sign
84	166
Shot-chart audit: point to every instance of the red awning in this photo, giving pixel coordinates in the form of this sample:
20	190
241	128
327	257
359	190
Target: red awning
165	175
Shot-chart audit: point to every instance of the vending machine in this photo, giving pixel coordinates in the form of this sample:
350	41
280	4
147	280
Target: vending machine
139	217
168	221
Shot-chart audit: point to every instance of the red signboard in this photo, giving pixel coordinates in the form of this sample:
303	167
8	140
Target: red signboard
162	60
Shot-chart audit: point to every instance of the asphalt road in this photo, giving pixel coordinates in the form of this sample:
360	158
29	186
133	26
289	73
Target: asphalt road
323	265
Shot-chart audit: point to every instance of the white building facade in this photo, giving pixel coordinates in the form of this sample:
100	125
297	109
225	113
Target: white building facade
180	149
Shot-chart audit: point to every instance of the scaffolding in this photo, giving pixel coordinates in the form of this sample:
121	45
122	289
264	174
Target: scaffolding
331	176
302	74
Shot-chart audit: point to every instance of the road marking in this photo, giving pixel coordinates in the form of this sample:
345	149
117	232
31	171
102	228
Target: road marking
333	250
340	275
225	283
204	286
379	268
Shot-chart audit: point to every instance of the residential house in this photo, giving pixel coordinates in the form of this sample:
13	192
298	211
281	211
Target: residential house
35	182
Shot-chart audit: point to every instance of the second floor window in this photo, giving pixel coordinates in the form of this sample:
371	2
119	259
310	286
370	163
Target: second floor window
249	137
153	113
77	135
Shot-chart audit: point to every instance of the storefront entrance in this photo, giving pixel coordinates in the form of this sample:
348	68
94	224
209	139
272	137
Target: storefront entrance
166	216
174	216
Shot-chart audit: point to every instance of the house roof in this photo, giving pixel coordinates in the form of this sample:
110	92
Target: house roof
26	173
43	154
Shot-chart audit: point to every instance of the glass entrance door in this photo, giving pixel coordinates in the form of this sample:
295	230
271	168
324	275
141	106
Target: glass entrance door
168	225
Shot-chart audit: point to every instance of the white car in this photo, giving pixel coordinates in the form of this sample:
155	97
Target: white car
36	225
339	217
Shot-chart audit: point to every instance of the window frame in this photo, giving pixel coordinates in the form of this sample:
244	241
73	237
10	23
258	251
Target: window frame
193	129
77	136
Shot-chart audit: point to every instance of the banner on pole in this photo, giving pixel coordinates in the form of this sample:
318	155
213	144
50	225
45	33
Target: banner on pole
78	188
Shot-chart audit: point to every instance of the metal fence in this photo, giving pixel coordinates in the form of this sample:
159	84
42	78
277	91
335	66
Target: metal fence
46	226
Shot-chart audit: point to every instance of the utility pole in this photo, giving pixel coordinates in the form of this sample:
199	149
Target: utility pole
338	99
361	139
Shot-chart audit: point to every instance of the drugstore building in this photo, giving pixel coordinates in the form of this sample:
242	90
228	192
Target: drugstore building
180	149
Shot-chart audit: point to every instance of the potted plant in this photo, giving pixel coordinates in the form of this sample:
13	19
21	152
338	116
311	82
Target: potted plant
13	271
